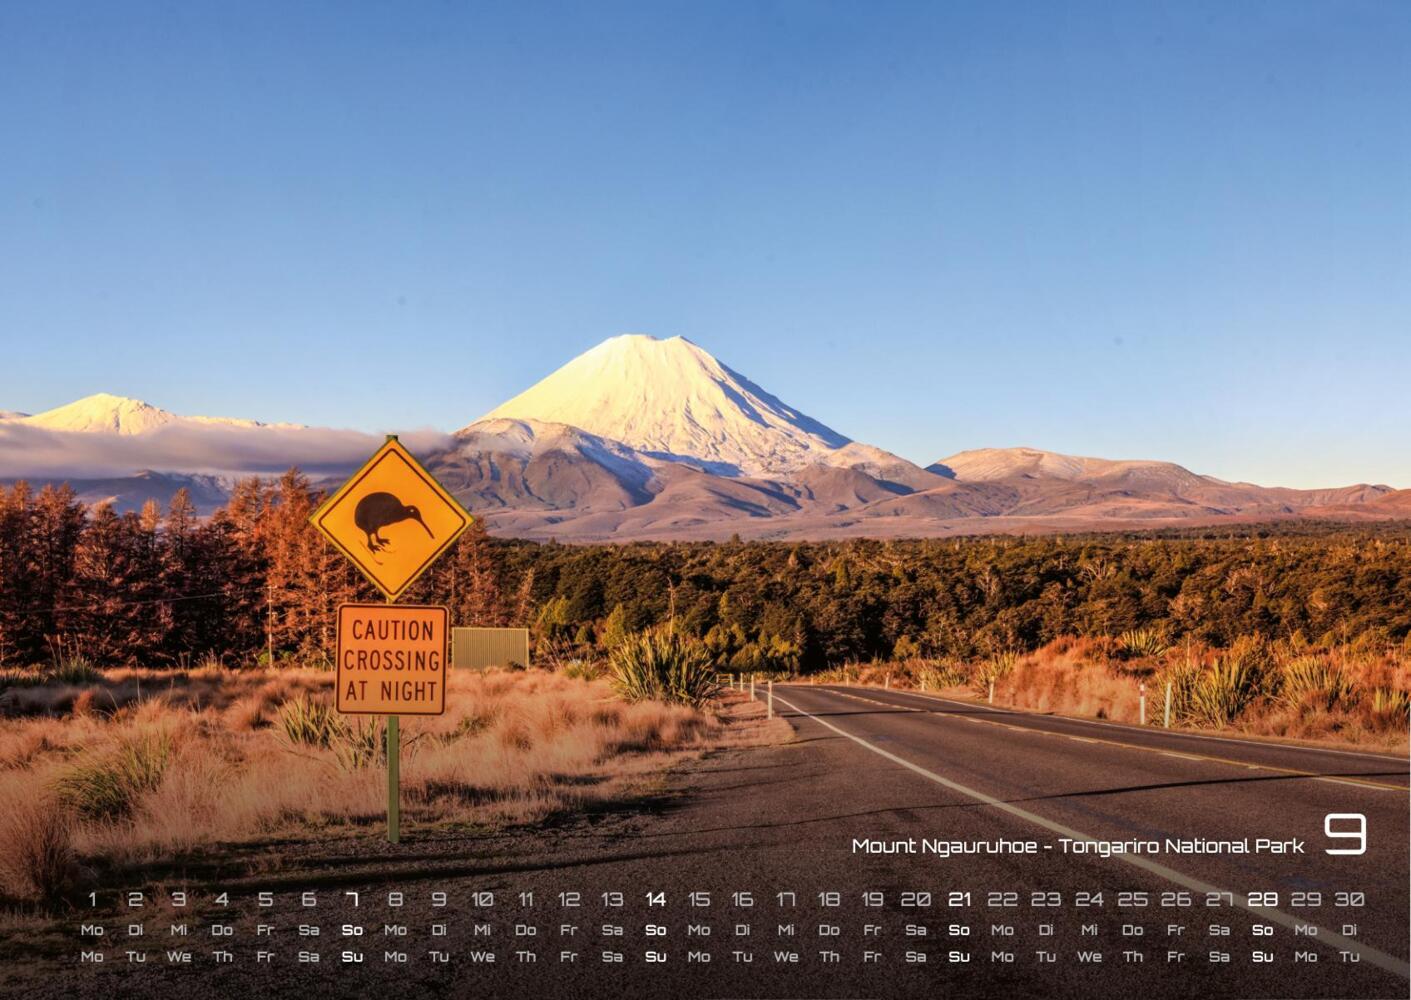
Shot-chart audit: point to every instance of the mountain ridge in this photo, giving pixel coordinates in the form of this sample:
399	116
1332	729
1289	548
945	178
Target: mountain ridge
661	440
106	413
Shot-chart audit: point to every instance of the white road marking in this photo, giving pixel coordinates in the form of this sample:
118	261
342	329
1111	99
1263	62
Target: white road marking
1352	781
1388	758
1368	954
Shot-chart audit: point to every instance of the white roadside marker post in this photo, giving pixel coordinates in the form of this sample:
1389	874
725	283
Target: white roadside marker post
1142	691
1168	704
771	699
887	682
992	690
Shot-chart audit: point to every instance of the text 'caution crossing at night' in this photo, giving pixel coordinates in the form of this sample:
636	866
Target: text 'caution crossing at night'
392	659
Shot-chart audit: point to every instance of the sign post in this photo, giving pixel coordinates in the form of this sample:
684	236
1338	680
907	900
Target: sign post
392	519
394	780
394	771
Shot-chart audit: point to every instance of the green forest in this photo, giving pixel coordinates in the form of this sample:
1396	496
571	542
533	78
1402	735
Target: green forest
254	583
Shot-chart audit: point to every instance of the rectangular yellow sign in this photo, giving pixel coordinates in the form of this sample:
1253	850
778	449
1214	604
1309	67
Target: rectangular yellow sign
392	659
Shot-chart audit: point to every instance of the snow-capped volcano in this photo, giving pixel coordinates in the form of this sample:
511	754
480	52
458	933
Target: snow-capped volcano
104	413
670	398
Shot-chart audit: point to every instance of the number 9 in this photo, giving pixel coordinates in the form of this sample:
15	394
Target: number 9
1359	835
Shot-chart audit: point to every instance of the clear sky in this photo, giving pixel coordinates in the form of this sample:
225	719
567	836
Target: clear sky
1125	229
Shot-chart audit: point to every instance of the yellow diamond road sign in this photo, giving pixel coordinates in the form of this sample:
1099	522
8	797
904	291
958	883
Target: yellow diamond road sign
393	519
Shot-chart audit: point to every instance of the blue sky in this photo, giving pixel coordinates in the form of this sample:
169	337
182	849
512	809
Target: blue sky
1129	230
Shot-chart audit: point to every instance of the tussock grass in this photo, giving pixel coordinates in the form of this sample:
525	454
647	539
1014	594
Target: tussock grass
1352	693
73	670
36	832
663	665
255	754
106	785
112	691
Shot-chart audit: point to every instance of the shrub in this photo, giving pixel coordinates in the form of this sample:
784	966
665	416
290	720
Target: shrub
362	745
1183	678
1313	682
1392	703
906	648
304	722
663	666
1223	691
1142	642
996	668
944	674
582	670
106	786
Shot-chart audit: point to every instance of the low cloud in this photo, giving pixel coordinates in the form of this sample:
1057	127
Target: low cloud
28	452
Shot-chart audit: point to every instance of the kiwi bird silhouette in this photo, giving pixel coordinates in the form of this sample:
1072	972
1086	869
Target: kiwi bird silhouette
376	511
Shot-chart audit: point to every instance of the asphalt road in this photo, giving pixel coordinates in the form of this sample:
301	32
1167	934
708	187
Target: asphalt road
892	767
1051	777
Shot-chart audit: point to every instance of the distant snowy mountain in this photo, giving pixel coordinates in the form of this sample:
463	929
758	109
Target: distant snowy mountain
672	399
104	413
127	451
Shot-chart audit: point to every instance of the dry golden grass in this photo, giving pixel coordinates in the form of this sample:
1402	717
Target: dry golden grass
37	860
115	776
1341	694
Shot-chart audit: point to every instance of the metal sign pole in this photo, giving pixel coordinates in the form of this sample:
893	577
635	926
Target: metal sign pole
394	775
394	778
